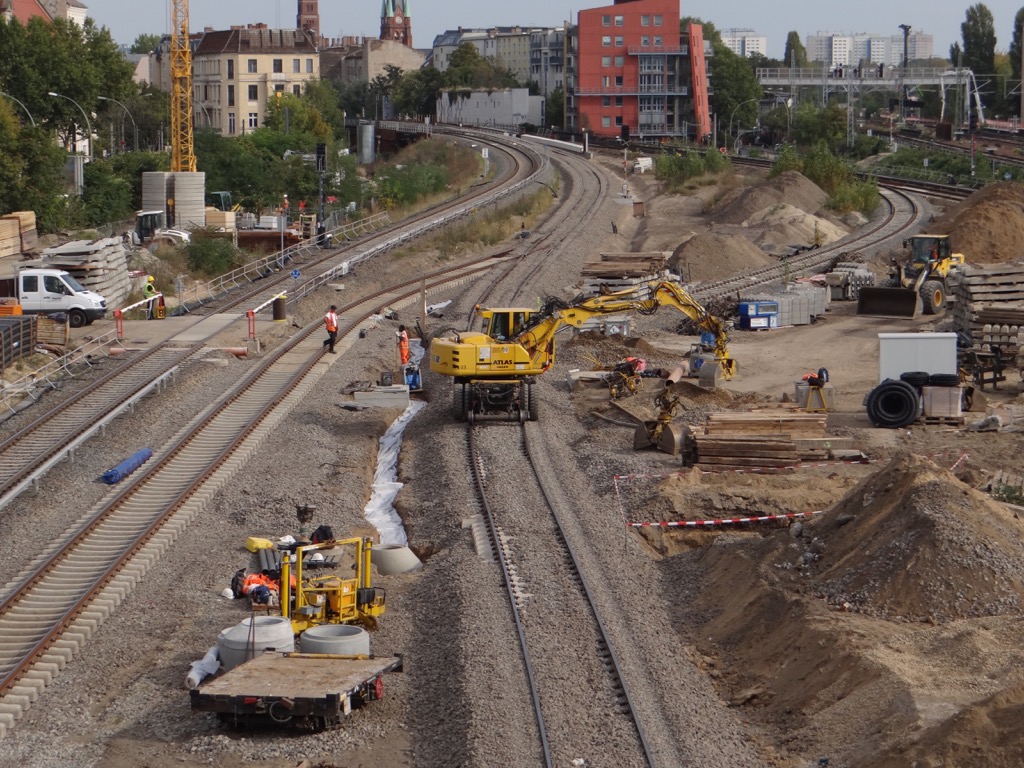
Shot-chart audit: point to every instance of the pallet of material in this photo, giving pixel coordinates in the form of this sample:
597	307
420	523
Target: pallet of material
311	689
645	265
1003	479
793	424
745	451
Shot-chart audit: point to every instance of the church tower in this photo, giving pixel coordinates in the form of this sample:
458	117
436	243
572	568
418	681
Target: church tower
395	23
309	16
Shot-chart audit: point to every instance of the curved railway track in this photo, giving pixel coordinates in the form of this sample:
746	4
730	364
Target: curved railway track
586	707
54	605
26	455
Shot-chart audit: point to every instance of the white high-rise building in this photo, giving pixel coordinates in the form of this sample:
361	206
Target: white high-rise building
838	49
745	42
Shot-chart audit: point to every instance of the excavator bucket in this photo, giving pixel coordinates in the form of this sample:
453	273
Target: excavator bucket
889	302
667	438
709	374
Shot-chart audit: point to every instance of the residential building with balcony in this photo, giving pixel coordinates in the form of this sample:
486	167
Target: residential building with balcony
631	72
237	72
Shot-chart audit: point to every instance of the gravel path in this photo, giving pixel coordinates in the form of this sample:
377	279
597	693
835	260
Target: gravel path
123	703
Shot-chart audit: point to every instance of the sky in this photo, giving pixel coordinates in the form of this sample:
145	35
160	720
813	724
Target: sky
430	18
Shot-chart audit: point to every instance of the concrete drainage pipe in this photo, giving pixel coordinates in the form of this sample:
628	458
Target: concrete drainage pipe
391	559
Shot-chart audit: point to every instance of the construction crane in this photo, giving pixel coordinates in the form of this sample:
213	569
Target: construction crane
183	156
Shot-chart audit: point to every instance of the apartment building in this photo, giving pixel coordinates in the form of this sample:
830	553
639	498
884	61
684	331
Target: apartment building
840	49
534	53
236	72
632	72
354	59
745	42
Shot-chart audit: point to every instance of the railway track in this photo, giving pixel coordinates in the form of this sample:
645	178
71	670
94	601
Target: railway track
580	696
51	608
29	453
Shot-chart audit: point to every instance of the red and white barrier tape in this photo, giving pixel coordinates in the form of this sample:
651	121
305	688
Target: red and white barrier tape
745	469
724	521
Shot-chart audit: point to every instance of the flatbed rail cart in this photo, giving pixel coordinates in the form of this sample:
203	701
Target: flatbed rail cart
312	691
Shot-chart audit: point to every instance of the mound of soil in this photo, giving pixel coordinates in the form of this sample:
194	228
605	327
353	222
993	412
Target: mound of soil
879	634
710	256
786	225
790	187
988	226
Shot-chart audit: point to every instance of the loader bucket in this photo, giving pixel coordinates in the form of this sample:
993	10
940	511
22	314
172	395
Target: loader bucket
889	302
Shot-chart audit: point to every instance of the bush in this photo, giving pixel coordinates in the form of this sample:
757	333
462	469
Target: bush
210	256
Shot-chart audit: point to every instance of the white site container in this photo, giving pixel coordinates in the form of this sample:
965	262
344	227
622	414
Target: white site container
902	352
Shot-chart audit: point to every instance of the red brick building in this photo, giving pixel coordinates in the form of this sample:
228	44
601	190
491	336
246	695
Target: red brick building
637	73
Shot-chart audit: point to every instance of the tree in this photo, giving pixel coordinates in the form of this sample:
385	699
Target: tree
979	36
736	88
1015	51
554	108
145	43
468	69
796	54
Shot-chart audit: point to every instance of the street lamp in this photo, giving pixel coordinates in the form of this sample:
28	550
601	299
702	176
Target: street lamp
134	125
88	125
22	106
733	114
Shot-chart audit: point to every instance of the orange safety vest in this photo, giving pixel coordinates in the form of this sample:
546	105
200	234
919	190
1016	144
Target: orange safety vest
331	320
256	580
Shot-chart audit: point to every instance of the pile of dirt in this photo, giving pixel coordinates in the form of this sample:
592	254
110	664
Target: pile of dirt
883	632
711	256
790	187
785	225
988	226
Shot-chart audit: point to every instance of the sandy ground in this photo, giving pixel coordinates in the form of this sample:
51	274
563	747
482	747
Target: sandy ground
886	630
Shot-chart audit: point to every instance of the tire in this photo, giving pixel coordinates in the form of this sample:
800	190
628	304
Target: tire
893	404
533	406
916	379
77	318
459	401
889	282
944	380
933	296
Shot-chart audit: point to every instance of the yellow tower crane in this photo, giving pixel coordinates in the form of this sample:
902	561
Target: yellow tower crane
183	156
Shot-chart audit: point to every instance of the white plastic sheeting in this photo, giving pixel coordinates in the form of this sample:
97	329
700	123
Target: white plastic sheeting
379	510
203	668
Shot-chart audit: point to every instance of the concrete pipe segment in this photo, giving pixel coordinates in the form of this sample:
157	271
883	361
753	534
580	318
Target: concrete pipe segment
341	639
392	559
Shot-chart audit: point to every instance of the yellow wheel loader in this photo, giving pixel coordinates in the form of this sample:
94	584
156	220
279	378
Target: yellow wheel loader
916	286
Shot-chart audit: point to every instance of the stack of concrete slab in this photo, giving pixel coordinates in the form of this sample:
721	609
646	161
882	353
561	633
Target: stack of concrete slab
990	306
99	265
799	303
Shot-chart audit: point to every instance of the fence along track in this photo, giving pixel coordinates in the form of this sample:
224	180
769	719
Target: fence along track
33	450
565	568
49	610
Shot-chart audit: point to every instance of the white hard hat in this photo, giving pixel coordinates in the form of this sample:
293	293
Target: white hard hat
316	557
227	592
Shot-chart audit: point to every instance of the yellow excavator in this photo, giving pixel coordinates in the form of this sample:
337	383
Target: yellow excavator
494	369
919	284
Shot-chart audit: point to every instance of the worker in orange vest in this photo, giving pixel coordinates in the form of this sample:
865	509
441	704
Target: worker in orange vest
403	344
331	323
257	587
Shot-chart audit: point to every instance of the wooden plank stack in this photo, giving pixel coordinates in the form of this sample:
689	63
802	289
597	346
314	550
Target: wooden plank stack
620	271
18	233
990	306
772	440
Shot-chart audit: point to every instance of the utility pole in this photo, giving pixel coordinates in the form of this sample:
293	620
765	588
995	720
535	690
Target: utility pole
903	69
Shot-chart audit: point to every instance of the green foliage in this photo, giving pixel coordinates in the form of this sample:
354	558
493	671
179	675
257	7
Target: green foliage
209	255
796	53
787	160
676	171
468	69
145	43
1010	494
106	196
554	108
834	175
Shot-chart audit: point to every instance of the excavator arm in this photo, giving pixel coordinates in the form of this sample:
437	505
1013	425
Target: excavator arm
537	337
